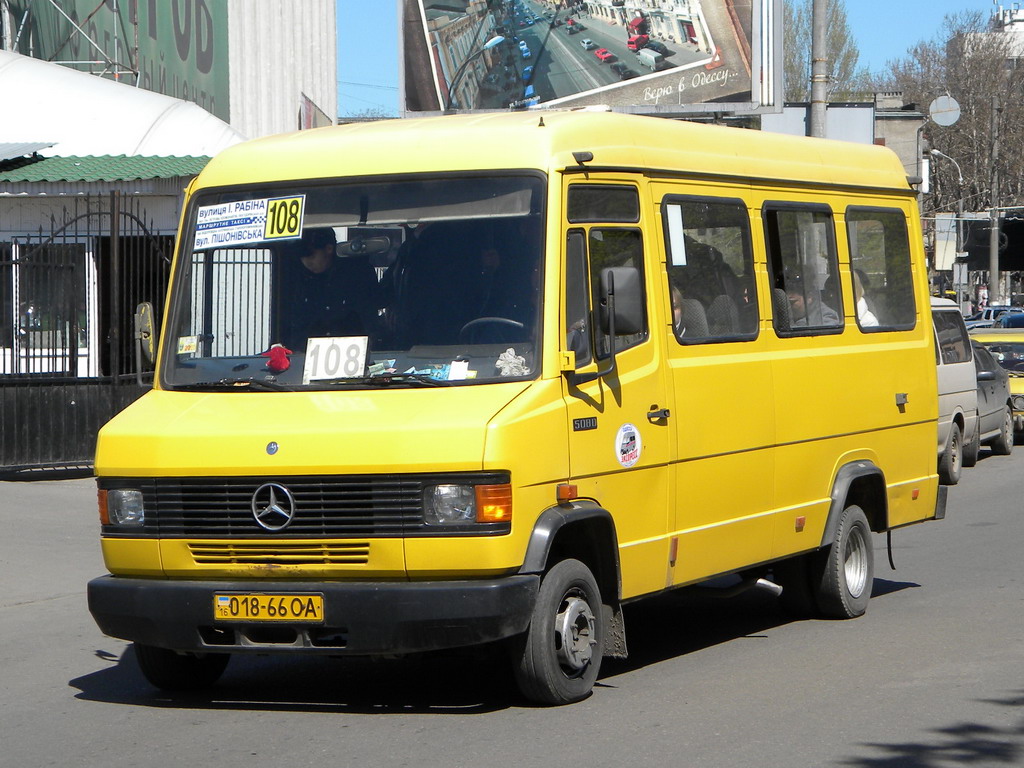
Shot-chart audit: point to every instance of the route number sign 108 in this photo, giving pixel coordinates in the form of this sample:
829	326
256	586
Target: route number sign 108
334	357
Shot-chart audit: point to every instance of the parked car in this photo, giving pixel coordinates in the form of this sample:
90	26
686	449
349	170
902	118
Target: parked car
1007	347
522	44
995	409
958	388
636	42
654	45
1009	320
526	52
604	55
987	316
587	44
527	74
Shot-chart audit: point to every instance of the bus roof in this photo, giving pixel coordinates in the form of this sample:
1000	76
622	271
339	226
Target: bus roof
546	141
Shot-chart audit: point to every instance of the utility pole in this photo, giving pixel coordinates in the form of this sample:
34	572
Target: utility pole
819	67
994	294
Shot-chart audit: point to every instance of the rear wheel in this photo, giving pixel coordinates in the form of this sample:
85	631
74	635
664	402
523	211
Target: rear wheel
971	451
172	671
845	570
952	458
560	655
1003	445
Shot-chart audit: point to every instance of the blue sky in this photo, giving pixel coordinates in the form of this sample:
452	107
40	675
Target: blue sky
368	42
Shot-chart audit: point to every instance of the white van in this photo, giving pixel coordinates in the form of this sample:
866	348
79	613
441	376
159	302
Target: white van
958	388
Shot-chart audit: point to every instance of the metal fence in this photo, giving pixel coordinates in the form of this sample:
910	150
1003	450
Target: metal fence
68	293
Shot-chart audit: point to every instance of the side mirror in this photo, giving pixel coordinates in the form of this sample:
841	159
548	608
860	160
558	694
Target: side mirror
986	376
620	312
145	338
623	283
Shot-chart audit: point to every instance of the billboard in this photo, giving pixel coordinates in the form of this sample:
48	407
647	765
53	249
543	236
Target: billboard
649	56
175	47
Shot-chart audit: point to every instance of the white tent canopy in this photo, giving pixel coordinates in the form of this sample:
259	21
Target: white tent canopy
82	114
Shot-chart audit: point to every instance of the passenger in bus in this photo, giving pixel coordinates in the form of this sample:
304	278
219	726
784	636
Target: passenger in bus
806	307
320	294
865	316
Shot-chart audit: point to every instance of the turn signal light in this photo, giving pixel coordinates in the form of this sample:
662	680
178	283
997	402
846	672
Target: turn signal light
101	498
493	503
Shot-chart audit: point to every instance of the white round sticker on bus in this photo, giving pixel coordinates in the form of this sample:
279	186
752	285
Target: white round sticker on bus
628	445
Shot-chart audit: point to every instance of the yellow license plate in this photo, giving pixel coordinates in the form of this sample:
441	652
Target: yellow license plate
276	607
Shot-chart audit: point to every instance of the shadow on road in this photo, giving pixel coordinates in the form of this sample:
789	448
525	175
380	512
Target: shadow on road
960	743
471	681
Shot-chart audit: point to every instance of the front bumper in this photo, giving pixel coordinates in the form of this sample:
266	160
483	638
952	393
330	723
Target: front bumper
360	618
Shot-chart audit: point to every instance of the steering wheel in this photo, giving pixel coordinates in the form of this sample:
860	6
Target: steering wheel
481	321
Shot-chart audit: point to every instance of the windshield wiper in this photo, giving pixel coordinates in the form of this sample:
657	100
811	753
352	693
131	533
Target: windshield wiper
388	379
240	383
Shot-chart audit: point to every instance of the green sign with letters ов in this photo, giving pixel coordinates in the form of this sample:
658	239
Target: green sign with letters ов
177	47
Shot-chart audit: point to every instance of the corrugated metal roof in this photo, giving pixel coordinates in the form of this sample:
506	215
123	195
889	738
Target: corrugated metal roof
99	168
12	149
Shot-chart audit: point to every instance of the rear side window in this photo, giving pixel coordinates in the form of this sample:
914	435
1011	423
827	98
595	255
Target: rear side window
710	269
883	284
951	337
806	298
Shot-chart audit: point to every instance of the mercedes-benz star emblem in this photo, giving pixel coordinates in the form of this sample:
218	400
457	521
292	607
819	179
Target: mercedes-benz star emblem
273	506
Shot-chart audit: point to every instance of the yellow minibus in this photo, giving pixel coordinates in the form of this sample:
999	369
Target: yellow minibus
432	383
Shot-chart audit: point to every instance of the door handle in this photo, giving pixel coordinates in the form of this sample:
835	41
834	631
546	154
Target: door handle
657	414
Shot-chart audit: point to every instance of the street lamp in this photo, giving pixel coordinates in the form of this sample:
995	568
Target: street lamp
496	40
959	217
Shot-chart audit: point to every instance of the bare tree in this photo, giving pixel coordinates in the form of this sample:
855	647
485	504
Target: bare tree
971	62
845	79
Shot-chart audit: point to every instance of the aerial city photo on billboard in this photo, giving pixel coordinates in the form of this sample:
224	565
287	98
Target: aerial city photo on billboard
661	56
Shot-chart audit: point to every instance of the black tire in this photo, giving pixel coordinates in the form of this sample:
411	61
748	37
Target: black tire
951	460
172	671
970	454
1003	445
549	670
844	572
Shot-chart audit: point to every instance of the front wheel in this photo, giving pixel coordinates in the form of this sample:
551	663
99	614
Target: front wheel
172	671
845	570
1003	445
560	655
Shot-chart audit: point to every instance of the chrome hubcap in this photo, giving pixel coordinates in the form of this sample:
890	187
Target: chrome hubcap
575	633
856	563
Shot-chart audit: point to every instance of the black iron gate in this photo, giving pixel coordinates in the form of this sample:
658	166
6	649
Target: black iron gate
68	294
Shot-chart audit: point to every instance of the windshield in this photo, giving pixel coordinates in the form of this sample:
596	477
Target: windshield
1010	355
400	283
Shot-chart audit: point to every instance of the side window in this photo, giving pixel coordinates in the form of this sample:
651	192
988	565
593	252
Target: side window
588	252
710	269
603	202
983	361
806	298
951	335
883	284
577	313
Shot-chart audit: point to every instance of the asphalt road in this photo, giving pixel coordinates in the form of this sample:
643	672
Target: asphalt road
932	676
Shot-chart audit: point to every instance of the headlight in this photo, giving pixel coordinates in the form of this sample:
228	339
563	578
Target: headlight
1018	402
462	504
122	507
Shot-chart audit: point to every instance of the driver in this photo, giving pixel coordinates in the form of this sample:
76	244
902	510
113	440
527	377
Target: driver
318	298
